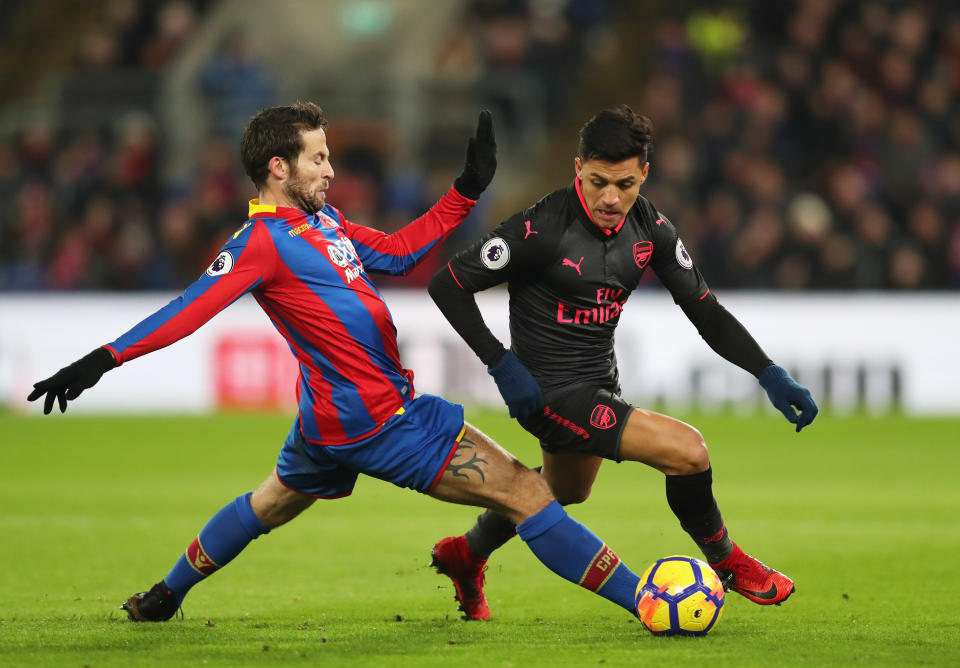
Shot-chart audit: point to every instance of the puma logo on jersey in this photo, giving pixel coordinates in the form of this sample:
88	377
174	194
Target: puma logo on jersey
571	263
529	231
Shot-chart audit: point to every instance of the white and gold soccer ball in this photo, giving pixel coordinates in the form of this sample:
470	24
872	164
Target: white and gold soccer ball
679	595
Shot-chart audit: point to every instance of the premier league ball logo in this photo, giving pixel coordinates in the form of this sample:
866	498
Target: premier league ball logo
495	254
683	257
221	265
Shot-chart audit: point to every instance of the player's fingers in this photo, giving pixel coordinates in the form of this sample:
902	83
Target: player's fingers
62	399
36	394
485	132
806	417
788	412
48	402
472	153
807	407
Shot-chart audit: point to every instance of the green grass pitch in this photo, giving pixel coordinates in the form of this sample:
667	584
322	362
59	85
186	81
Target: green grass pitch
863	512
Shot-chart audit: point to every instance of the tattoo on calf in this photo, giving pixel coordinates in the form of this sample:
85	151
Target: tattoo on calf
467	449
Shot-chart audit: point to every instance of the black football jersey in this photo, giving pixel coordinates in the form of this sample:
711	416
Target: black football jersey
569	281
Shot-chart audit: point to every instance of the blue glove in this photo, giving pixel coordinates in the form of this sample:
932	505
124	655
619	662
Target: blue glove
518	388
786	394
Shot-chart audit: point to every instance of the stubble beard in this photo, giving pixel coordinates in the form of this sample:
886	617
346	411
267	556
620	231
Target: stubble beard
307	202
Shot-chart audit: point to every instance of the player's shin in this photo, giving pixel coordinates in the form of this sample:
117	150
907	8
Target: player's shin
691	499
491	531
575	553
223	538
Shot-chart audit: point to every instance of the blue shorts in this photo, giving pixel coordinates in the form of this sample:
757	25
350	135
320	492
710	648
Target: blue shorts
412	450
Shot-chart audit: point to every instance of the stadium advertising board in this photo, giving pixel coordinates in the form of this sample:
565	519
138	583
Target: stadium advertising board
869	351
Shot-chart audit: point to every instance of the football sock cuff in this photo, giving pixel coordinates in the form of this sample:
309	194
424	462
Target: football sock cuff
575	553
220	540
247	517
538	524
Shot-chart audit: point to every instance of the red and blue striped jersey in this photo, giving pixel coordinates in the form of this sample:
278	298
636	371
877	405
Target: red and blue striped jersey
309	275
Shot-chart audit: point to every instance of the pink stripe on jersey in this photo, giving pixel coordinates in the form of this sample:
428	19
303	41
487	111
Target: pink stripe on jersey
455	276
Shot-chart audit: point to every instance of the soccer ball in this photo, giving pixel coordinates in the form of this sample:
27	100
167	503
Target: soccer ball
679	595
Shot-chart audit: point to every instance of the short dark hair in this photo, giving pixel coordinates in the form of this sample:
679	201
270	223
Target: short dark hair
616	134
277	131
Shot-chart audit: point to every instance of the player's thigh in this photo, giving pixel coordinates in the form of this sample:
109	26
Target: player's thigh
275	504
570	475
665	443
482	473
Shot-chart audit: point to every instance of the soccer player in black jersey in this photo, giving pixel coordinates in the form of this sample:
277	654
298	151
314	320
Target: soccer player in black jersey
570	262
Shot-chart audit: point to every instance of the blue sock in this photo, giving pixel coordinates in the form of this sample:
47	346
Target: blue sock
572	551
223	538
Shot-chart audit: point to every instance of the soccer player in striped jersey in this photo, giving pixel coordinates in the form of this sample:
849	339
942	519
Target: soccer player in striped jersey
308	267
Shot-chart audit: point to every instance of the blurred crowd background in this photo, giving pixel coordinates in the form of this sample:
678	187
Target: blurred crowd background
800	145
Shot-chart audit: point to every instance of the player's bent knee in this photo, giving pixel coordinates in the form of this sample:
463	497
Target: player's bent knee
694	455
527	495
274	504
568	497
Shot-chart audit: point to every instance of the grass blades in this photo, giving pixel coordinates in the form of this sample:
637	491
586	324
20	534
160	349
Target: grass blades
861	511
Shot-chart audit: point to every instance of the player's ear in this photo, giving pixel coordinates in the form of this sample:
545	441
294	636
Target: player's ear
644	171
577	165
278	167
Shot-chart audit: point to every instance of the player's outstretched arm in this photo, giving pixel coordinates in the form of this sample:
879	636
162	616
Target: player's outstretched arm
481	161
399	252
731	340
786	394
70	381
517	386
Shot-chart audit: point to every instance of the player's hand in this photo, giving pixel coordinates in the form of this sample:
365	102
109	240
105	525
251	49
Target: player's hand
70	381
481	162
786	394
517	386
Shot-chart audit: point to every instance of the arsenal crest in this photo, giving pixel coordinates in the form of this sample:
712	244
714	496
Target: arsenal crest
602	416
642	250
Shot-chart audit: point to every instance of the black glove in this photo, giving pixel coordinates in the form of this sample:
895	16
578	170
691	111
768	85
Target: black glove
481	160
785	393
70	381
517	386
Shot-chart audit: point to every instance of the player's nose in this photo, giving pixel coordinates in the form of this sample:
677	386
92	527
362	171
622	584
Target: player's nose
609	196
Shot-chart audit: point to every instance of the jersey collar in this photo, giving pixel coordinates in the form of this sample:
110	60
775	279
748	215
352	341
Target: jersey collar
607	231
255	208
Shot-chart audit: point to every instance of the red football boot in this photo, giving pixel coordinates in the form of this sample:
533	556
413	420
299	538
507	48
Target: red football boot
751	578
452	557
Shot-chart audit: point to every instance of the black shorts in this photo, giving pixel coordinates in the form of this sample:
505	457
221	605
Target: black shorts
582	419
